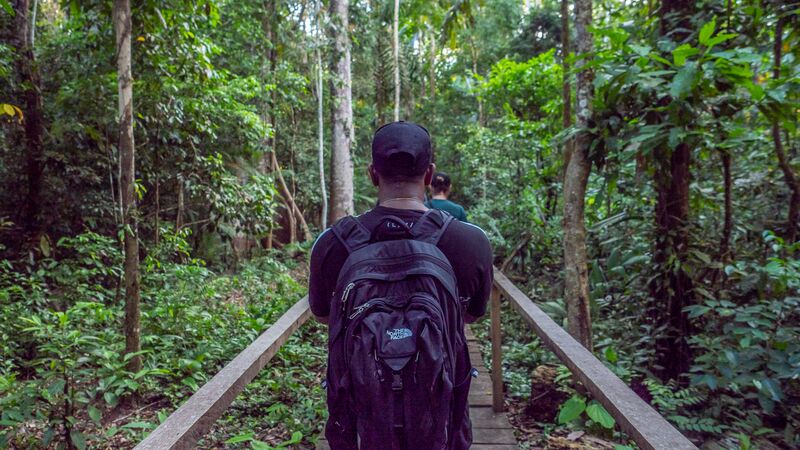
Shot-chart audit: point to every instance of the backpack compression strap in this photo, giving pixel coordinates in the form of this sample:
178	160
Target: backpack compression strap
351	233
431	226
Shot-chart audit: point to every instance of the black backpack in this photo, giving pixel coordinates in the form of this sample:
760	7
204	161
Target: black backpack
398	364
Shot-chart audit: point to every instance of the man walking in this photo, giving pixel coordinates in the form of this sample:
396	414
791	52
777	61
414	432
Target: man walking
440	188
396	285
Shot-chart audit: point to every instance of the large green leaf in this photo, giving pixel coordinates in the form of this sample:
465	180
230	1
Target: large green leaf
571	409
680	54
596	412
707	31
684	81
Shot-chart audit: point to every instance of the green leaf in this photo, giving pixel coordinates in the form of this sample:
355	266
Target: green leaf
611	355
680	54
259	445
769	386
707	31
95	414
77	439
571	409
241	438
684	81
7	6
596	412
720	38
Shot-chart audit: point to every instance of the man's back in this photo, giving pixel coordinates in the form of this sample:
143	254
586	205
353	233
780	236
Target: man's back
426	407
464	245
453	208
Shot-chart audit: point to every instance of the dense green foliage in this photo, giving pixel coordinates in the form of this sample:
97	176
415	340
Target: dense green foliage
220	84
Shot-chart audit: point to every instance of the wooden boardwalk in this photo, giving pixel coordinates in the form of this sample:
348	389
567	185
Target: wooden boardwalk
490	431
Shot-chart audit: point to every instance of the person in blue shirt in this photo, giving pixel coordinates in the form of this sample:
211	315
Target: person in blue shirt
440	188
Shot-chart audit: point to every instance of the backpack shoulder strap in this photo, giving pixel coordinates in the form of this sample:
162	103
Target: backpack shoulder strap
351	233
431	226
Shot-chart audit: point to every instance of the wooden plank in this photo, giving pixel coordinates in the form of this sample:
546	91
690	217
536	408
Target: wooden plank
494	447
497	353
187	424
493	436
480	399
323	445
640	421
486	418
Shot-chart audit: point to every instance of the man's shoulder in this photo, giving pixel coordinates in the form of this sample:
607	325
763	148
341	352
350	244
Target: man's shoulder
466	232
324	242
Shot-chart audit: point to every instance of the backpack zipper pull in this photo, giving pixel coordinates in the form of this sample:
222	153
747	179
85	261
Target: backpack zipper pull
346	292
358	310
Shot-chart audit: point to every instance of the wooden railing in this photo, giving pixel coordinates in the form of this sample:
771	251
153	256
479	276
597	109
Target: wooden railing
184	427
635	417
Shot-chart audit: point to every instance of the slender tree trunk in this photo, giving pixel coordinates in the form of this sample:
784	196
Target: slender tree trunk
788	172
181	206
341	163
292	209
396	53
577	175
380	84
28	72
33	22
321	125
727	226
474	52
432	69
157	170
122	26
566	88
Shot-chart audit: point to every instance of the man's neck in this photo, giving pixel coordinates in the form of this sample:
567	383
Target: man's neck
403	199
440	196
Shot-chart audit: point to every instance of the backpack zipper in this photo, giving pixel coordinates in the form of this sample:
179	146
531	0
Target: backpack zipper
346	293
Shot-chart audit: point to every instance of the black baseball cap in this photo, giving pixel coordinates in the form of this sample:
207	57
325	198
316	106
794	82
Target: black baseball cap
401	149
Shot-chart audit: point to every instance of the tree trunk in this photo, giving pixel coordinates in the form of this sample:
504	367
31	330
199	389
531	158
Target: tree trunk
432	69
474	52
342	112
34	129
788	172
566	88
396	54
321	126
672	288
122	26
380	84
292	210
727	226
576	279
179	214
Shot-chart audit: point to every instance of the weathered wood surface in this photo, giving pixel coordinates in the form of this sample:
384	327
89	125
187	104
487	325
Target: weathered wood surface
497	352
490	430
640	421
187	424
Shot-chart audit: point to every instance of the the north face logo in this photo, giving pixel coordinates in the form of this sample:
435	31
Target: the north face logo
399	333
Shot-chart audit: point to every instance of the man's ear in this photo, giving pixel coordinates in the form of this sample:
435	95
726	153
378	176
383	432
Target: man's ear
373	175
429	174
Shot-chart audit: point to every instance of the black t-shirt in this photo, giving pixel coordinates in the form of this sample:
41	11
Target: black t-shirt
464	245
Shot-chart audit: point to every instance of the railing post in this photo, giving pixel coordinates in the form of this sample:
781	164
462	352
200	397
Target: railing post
497	353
